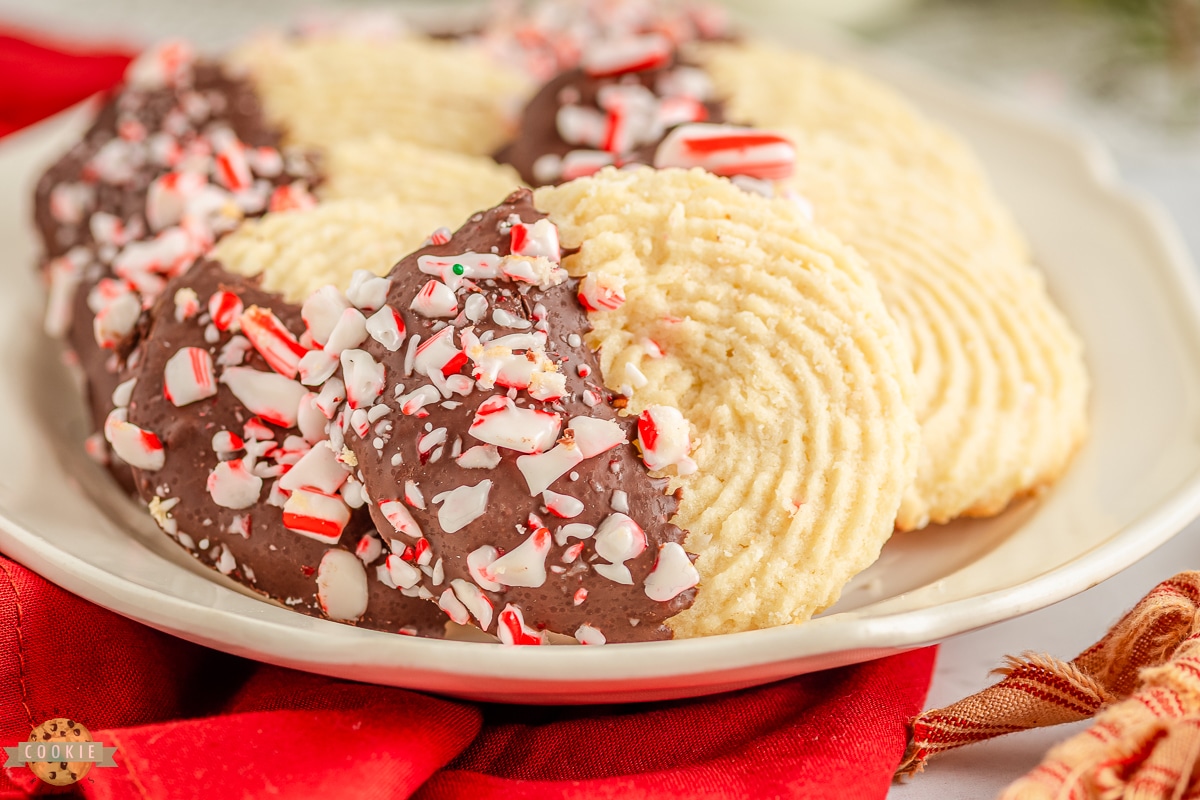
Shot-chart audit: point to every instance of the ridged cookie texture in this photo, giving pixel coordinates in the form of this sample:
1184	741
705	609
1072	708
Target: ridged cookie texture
771	337
382	198
770	87
377	166
1001	383
298	252
439	93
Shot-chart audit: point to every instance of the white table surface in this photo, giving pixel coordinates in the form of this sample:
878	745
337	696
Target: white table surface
1020	51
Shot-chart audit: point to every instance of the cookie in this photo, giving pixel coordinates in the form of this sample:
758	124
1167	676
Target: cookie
176	159
381	199
506	487
295	254
438	93
60	773
770	87
772	339
585	119
1002	386
230	452
378	166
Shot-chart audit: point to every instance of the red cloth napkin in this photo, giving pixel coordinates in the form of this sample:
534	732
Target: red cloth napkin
191	722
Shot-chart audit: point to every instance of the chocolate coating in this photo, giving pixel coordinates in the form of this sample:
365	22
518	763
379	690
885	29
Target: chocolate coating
213	98
620	612
538	133
271	560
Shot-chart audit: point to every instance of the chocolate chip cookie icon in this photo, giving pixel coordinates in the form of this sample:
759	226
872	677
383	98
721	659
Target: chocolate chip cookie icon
56	738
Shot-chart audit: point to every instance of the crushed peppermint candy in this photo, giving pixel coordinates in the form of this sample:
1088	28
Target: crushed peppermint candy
498	500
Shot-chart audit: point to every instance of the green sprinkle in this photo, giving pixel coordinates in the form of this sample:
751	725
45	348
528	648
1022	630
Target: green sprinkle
458	269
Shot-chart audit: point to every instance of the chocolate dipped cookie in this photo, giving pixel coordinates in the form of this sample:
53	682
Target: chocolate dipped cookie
230	453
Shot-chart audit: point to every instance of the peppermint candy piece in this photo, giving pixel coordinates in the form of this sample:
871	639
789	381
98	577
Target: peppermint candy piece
622	56
673	574
727	150
599	292
269	395
663	435
189	377
500	422
342	585
232	485
272	340
316	515
513	630
138	448
525	564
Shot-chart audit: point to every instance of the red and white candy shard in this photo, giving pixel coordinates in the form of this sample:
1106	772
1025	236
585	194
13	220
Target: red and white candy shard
136	447
232	485
400	573
538	240
367	291
115	321
413	495
369	548
226	443
525	564
601	292
386	326
580	125
123	393
64	274
349	332
499	421
188	376
291	197
626	54
594	436
478	561
513	630
168	196
455	610
187	304
269	395
727	150
482	456
462	506
437	354
316	515
673	573
562	505
475	601
318	469
664	437
342	585
400	518
317	366
543	469
586	634
321	312
435	300
574	530
272	340
582	163
226	310
364	377
618	539
164	65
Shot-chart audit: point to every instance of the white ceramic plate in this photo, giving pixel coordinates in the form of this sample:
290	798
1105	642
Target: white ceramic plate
1114	265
